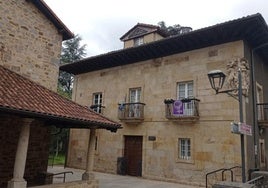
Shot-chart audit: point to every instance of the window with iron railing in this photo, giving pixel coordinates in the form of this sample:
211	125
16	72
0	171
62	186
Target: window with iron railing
176	109
185	106
262	110
97	102
131	111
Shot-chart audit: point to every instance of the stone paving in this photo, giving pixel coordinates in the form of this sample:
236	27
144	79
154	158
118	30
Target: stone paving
112	180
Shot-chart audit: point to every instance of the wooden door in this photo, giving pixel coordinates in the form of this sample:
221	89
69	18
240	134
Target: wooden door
133	155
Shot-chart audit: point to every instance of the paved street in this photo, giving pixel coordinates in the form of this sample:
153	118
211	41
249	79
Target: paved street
112	181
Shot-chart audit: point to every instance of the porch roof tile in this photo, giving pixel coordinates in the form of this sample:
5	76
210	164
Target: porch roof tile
26	98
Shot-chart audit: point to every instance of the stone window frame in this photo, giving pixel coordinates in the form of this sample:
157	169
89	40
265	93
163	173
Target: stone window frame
188	107
262	156
98	109
97	141
186	84
259	98
136	90
178	150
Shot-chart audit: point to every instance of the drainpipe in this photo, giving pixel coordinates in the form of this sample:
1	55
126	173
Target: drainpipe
254	97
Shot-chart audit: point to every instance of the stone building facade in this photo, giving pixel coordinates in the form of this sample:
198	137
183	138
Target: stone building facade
30	47
30	44
174	126
158	81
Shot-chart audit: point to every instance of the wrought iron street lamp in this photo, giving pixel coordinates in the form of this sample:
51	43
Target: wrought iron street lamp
216	79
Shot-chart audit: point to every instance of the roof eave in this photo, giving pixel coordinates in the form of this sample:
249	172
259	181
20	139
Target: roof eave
245	28
48	12
59	121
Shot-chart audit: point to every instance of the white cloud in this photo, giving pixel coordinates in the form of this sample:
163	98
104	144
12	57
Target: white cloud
101	23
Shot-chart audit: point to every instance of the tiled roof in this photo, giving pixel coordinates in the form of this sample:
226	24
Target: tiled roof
23	97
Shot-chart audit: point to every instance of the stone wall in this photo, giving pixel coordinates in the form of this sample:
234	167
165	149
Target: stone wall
38	148
8	150
38	152
29	43
77	150
214	146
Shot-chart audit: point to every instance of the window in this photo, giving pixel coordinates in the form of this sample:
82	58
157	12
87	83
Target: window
96	143
262	152
259	90
138	41
97	102
134	97
185	90
96	146
184	149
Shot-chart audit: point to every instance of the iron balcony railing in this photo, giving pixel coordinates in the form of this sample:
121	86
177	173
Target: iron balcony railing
131	112
97	108
187	108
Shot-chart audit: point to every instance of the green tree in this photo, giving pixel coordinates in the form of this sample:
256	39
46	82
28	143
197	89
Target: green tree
174	30
58	141
72	51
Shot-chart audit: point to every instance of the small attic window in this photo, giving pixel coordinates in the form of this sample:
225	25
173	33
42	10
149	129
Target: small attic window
138	41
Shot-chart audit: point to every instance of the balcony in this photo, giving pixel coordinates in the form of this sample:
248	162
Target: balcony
185	110
262	109
131	112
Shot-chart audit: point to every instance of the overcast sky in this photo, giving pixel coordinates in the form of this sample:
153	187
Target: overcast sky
101	23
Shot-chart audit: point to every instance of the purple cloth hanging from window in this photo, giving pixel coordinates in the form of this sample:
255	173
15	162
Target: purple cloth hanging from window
177	108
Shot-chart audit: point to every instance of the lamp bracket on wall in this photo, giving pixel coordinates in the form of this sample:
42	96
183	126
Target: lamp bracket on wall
229	92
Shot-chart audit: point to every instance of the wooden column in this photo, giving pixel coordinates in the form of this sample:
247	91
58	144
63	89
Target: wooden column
20	161
89	175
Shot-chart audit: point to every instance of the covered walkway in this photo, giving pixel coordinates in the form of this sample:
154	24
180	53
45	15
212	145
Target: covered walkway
27	112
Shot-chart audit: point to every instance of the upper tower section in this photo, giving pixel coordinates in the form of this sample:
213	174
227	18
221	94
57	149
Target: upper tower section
30	40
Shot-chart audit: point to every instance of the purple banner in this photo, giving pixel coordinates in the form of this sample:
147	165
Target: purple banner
177	108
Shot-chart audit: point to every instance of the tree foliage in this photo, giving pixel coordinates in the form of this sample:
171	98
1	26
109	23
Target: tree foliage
58	141
72	51
176	29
